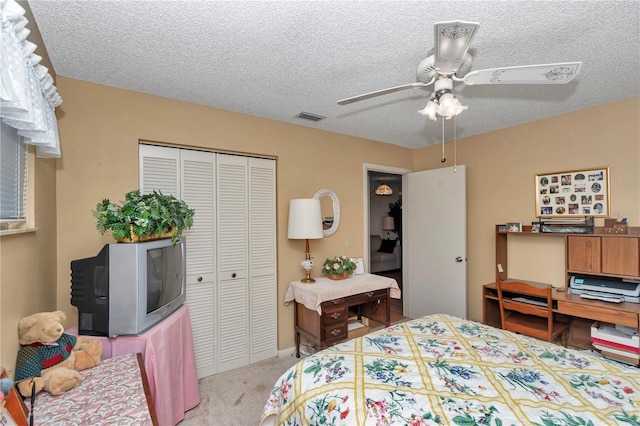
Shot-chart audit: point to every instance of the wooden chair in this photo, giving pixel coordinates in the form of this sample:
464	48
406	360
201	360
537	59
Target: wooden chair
526	318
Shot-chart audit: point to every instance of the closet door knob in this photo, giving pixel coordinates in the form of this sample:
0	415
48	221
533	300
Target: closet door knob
199	279
233	275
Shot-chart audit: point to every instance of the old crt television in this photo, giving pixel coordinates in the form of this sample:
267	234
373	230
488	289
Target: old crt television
128	287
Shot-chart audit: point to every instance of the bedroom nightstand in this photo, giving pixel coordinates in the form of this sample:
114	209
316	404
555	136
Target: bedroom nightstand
322	309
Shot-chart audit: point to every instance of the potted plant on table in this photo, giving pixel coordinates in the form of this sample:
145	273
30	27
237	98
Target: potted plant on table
338	268
144	217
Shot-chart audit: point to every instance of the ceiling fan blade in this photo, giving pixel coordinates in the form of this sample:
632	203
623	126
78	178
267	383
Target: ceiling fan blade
381	92
452	41
559	73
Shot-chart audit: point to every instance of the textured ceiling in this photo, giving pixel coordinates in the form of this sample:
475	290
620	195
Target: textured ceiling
274	59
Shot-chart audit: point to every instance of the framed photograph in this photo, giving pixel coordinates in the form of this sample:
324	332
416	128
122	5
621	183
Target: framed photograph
573	194
514	227
535	226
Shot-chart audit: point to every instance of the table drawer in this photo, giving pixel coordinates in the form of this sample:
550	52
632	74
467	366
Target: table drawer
340	301
367	297
335	333
336	315
615	316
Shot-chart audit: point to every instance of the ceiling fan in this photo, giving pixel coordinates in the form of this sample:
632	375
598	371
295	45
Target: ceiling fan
450	61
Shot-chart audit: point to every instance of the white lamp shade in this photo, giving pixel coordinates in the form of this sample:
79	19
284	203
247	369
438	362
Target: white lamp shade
305	219
388	223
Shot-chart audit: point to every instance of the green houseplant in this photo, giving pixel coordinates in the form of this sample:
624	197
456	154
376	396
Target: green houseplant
338	268
147	216
395	211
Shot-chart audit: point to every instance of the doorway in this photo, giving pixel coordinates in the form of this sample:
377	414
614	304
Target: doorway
383	226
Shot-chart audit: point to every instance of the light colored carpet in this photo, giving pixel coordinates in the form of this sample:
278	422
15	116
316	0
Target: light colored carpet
237	397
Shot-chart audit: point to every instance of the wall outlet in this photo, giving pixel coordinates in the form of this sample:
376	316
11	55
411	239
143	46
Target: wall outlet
351	242
500	268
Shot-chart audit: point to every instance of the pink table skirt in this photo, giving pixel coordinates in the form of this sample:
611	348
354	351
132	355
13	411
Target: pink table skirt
169	358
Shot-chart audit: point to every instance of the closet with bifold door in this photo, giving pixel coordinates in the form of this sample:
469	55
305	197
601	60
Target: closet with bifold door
231	250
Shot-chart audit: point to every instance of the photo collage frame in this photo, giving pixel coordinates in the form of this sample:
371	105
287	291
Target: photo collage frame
573	194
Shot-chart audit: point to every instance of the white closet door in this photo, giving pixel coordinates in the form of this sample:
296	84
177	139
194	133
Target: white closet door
190	175
159	170
263	328
231	250
199	192
233	295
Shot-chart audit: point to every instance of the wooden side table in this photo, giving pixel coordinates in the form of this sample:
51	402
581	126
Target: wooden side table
322	309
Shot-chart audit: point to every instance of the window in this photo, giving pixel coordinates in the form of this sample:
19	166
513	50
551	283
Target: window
13	176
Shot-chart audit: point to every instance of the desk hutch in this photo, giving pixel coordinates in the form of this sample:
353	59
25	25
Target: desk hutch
597	254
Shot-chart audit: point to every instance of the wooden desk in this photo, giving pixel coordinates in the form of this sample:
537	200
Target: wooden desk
571	305
322	309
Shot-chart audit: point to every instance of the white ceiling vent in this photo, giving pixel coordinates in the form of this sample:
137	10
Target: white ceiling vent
310	116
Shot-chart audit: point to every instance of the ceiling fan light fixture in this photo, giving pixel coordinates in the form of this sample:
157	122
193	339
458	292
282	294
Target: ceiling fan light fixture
458	107
450	61
430	110
443	104
450	106
446	101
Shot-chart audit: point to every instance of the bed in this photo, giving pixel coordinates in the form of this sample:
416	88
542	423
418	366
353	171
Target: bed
440	369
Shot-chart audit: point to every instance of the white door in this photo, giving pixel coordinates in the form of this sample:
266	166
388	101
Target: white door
435	242
198	191
190	175
232	256
263	283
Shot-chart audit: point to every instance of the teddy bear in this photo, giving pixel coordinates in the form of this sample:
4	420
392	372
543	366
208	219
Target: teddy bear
49	359
5	387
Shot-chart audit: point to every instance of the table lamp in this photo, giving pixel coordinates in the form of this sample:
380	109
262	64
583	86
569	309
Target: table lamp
388	225
305	223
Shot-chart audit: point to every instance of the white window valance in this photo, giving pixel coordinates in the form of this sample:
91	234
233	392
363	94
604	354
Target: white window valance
28	97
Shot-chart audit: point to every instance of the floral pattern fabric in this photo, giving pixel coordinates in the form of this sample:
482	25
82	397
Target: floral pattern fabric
111	393
441	369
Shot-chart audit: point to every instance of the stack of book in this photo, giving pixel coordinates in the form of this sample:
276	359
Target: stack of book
616	342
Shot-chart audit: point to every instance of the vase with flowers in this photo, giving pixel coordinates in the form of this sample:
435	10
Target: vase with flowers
338	268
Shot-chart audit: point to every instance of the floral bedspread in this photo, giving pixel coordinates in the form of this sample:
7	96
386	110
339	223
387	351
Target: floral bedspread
111	393
444	370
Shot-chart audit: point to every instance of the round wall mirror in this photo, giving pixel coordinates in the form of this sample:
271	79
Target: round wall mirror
329	223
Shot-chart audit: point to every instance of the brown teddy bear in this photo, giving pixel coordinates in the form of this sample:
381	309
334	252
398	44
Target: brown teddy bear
49	358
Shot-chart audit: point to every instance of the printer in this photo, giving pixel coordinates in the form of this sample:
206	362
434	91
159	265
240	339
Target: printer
615	290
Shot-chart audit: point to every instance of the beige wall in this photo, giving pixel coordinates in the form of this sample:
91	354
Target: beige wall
100	128
500	183
28	265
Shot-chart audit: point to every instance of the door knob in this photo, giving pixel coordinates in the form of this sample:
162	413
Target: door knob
459	259
233	275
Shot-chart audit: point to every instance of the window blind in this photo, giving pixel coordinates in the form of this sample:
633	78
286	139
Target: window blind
13	174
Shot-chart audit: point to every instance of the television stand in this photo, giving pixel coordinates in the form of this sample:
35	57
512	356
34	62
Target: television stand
173	394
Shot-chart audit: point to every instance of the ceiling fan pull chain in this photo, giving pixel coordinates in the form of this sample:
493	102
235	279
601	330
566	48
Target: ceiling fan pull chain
443	159
455	150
